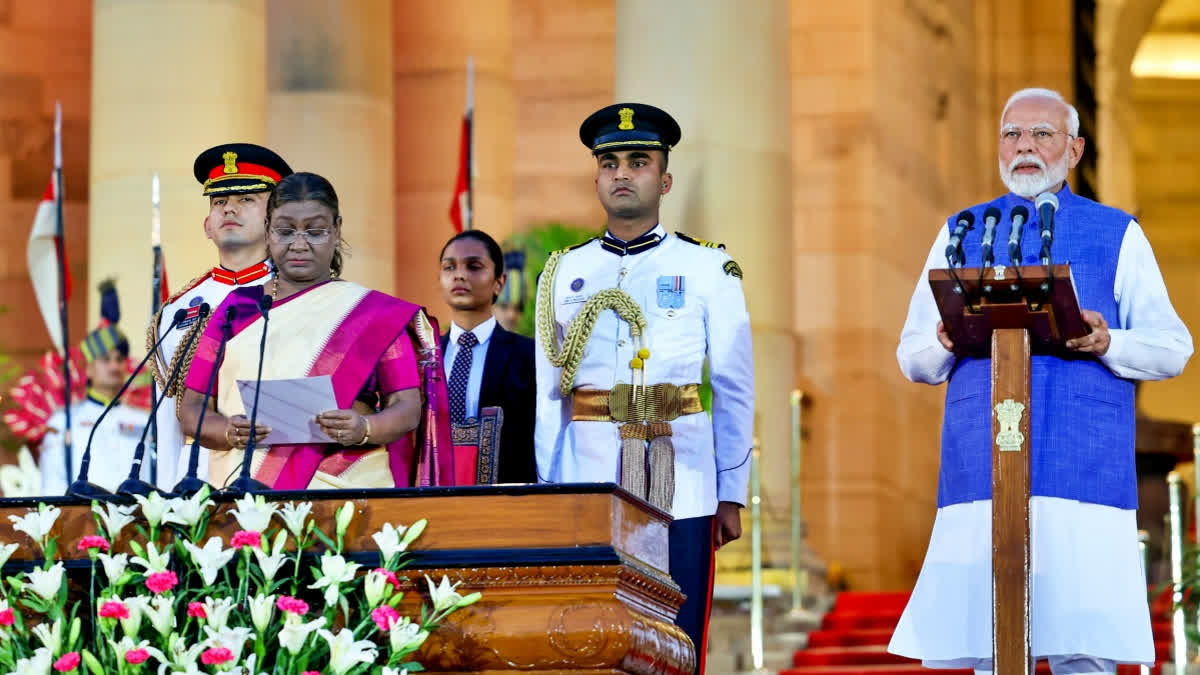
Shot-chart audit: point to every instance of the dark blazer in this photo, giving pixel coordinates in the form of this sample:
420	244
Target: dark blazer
509	383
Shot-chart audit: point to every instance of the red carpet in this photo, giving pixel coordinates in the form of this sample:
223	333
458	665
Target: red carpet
854	635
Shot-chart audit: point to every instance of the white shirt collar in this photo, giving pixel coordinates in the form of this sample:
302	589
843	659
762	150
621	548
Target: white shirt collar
657	229
483	332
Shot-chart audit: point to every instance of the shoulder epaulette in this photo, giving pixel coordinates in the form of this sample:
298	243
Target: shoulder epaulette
579	245
699	242
187	287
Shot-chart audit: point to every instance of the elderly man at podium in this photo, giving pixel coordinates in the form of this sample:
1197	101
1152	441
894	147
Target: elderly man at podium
1087	589
637	312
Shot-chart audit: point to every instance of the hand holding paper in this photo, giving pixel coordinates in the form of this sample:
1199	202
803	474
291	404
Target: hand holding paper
290	408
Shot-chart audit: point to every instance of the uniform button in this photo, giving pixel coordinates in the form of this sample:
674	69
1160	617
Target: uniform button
620	343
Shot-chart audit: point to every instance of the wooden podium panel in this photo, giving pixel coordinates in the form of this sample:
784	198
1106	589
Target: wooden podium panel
574	577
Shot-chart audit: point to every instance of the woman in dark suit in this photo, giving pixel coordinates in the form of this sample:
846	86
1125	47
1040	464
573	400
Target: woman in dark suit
485	364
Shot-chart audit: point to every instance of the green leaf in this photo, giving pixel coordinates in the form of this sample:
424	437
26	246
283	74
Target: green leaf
92	663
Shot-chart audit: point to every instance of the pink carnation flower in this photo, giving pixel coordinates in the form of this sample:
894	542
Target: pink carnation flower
92	541
292	605
196	609
391	577
114	609
7	617
215	656
311	672
246	538
161	582
68	662
136	656
384	617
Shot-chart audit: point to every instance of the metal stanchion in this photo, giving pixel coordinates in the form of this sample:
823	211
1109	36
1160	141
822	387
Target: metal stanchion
756	580
1144	555
1178	625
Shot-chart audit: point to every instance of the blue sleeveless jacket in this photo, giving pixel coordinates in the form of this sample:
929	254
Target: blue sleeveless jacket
1082	415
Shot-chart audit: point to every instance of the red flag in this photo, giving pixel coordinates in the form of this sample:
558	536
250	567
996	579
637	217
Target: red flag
44	254
460	205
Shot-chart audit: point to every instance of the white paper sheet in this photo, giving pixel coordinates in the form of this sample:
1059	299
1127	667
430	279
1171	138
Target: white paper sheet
289	408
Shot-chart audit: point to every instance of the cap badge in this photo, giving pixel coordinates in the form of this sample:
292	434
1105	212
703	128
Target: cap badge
230	162
626	115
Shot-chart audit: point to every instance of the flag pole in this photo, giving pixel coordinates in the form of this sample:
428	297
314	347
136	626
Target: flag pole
156	288
469	221
60	239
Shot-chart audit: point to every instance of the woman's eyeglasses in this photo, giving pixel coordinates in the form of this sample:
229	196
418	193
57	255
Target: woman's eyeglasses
287	235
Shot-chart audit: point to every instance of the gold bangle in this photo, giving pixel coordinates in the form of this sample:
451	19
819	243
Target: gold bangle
367	431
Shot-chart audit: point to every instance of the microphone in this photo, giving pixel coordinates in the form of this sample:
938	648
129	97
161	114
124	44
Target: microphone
1046	204
990	217
190	484
244	482
954	249
133	484
81	487
1019	215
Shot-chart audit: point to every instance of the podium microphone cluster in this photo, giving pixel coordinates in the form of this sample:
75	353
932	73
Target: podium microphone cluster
81	487
133	484
1046	205
244	483
190	483
963	223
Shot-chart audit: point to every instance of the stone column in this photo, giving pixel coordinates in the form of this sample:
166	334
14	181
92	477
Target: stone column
433	41
722	70
330	110
169	79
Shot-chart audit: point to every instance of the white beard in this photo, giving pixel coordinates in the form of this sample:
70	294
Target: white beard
1031	185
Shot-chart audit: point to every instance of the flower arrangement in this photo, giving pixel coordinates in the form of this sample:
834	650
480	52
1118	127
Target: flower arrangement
259	605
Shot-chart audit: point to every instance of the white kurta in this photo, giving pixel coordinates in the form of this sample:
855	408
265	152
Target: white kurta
711	455
112	447
172	453
1088	591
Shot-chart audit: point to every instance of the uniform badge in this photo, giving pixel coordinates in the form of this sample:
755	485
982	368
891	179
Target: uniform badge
670	292
626	115
577	284
230	162
129	429
193	313
731	268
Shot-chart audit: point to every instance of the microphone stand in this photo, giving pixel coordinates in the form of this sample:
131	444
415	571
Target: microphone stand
133	484
245	483
190	484
81	487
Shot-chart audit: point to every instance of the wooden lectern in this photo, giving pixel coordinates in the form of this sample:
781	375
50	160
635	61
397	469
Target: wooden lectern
1007	314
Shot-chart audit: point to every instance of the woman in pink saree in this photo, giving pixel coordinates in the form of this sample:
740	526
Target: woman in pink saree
392	425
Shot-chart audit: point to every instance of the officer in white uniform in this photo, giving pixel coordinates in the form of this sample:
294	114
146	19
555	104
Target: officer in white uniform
628	409
106	351
237	179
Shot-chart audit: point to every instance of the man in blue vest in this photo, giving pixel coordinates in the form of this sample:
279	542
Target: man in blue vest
1088	593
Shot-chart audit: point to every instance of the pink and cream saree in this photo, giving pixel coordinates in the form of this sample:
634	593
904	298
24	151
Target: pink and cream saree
371	345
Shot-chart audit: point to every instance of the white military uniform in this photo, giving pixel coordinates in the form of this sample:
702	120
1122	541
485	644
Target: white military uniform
211	289
112	448
701	312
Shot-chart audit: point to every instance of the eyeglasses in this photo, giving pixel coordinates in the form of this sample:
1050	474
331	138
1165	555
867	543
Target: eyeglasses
1042	136
287	235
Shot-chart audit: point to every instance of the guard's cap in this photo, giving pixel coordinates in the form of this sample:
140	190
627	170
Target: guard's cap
629	126
238	168
107	337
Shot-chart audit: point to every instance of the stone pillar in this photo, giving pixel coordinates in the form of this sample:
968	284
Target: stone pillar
722	72
329	111
432	44
169	79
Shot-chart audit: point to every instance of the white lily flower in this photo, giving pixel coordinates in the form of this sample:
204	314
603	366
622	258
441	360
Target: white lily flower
127	644
295	632
189	511
393	671
404	634
294	515
217	612
334	570
38	664
270	563
443	595
233	639
50	635
181	656
161	612
37	524
114	517
211	559
114	565
137	607
253	513
45	583
248	669
345	652
388	540
6	552
343	517
23	479
154	508
262	611
154	561
375	586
